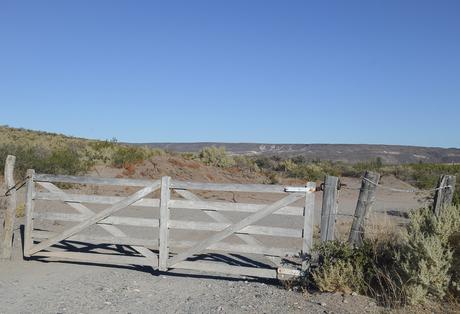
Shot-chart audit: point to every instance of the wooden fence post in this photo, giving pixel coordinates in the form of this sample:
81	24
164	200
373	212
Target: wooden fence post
444	194
10	212
29	211
308	217
164	218
329	208
365	200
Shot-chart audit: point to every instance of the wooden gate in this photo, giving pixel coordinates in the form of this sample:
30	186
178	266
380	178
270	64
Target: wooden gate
166	212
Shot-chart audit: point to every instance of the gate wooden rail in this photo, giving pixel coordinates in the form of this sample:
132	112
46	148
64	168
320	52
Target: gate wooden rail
76	239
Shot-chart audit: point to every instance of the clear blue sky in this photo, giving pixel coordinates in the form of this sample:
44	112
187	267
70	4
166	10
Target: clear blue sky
238	71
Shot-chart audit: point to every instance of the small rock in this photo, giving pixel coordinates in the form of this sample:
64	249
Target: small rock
354	293
323	304
372	304
345	301
136	290
107	303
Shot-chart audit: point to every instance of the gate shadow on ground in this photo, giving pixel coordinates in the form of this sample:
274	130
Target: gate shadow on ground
111	249
172	273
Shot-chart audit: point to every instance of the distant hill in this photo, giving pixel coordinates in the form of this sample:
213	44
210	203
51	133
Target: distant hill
350	153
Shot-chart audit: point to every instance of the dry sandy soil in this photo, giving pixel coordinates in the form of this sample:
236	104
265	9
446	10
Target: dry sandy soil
38	286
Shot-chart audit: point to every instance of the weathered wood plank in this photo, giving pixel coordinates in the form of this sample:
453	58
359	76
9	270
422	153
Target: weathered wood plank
164	224
308	220
177	204
92	239
329	209
218	226
92	199
363	206
227	269
269	209
251	188
237	207
236	248
40	235
173	224
112	220
29	212
40	177
6	240
175	184
97	217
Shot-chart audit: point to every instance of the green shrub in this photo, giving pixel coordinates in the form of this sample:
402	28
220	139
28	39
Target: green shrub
266	163
307	172
273	178
246	164
64	160
426	258
216	156
298	167
421	264
123	156
341	268
340	276
455	282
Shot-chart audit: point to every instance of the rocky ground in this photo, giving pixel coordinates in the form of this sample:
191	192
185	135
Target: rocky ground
38	287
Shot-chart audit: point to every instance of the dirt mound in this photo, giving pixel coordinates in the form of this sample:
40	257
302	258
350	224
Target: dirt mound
179	168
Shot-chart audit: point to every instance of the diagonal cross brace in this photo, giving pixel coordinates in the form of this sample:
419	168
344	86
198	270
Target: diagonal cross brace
113	230
95	218
219	217
235	228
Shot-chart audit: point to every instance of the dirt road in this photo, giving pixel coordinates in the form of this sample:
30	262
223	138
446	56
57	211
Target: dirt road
38	287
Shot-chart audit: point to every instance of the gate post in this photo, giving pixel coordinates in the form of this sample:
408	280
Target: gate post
10	210
365	200
29	209
164	218
308	219
444	194
329	208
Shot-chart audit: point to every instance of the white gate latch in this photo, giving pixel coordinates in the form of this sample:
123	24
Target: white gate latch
296	189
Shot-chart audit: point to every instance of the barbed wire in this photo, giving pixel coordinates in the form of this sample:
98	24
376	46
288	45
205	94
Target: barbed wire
414	190
16	187
405	191
342	214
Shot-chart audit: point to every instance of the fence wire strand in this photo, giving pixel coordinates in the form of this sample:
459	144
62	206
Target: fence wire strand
397	190
16	187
